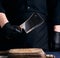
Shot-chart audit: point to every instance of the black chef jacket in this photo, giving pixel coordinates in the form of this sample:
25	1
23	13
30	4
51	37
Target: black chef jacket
17	11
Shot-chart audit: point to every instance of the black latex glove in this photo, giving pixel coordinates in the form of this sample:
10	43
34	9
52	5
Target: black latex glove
56	41
12	31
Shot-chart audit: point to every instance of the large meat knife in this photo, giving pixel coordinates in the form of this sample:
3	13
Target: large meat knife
34	21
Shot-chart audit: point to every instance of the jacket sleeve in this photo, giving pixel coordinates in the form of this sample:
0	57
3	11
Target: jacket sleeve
57	13
1	7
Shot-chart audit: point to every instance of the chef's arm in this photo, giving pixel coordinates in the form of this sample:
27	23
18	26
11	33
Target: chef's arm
3	19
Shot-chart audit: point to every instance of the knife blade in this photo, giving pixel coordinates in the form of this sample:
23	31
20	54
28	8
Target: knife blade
34	21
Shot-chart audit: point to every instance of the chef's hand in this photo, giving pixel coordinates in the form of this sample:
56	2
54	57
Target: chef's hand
56	41
12	31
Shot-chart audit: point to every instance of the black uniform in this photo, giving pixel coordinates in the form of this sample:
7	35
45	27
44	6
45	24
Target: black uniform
54	19
17	11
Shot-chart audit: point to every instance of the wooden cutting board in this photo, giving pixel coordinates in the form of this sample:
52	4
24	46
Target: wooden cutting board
27	53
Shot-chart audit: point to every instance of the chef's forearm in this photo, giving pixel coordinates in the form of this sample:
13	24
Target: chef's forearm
3	19
57	28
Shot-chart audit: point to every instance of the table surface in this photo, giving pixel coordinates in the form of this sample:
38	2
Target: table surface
57	54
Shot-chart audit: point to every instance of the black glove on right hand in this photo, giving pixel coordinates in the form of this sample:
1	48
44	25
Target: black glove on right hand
12	31
56	41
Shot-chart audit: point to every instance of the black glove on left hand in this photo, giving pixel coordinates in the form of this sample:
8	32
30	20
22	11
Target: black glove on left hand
12	31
